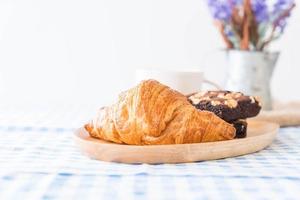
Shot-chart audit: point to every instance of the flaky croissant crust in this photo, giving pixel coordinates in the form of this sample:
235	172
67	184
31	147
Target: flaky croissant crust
152	113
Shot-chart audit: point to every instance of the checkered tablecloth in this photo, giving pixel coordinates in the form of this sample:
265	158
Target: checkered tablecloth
39	160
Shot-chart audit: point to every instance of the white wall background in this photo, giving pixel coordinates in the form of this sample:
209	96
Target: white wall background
87	51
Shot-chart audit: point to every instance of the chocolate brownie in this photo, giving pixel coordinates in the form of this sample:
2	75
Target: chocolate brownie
230	106
241	128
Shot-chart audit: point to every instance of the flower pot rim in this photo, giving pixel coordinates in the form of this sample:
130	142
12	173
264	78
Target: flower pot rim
250	51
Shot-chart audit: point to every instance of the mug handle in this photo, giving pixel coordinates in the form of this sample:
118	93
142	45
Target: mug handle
209	83
212	84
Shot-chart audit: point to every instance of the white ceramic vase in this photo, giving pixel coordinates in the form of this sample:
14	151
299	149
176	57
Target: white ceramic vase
250	72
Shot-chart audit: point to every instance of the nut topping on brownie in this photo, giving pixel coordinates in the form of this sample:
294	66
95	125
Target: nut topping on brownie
229	106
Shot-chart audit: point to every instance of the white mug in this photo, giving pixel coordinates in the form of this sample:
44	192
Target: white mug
186	82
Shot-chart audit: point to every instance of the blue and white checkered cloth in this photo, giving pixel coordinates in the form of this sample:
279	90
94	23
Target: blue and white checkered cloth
38	160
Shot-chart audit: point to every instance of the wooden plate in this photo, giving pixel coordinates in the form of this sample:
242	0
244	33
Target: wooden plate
260	135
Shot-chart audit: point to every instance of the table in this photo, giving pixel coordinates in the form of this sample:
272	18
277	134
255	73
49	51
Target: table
39	160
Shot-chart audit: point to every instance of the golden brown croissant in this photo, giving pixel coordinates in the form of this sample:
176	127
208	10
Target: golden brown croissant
152	113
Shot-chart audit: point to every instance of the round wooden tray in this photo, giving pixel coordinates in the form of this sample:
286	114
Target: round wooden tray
260	135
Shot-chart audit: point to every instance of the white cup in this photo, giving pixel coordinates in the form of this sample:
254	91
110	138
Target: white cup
186	82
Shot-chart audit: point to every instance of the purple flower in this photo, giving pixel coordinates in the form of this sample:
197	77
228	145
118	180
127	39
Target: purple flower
278	10
281	25
260	10
282	5
220	9
236	2
230	15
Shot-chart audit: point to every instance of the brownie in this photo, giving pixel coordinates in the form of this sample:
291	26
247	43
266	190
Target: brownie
240	127
230	106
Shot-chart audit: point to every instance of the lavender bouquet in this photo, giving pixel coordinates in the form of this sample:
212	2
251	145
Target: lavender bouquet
250	24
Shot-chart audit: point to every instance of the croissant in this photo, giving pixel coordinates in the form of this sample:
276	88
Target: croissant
151	114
